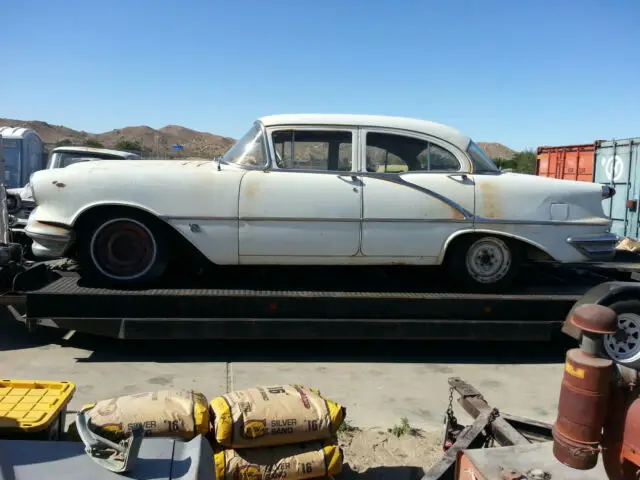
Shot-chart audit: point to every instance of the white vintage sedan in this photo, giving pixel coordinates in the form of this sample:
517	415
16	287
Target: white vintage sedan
320	189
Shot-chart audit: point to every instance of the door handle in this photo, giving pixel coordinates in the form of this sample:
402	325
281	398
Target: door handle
455	175
352	176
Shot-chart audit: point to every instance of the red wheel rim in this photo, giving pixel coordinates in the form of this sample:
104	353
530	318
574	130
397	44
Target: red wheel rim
123	249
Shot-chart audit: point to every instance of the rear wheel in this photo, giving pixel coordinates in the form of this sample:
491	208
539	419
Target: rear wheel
483	263
123	248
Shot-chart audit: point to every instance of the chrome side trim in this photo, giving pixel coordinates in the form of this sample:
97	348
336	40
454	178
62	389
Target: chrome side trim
483	221
417	220
166	218
297	219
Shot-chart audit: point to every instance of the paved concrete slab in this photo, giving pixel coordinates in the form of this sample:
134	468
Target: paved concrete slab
378	383
112	376
379	394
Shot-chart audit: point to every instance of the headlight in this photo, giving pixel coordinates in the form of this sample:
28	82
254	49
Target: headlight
13	203
608	192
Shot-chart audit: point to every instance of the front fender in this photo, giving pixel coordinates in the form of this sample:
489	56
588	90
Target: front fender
603	294
488	231
110	203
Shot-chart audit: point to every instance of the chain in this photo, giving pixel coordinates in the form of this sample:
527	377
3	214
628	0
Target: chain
495	413
490	440
450	415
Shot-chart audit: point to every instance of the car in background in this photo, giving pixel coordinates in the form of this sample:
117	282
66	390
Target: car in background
19	200
320	189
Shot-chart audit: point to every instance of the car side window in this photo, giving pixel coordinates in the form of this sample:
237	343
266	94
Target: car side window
328	150
392	153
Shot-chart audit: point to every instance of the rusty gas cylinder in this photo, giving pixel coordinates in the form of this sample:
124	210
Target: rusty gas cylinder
584	392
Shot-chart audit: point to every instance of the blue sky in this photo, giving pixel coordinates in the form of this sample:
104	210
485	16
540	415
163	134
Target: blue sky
520	72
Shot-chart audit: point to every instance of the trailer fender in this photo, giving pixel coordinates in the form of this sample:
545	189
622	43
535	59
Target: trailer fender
604	294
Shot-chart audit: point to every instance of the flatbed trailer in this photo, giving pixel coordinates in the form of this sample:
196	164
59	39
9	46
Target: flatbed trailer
336	307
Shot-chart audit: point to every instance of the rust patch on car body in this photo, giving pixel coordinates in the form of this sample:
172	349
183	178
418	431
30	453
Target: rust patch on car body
58	184
491	206
249	187
457	214
54	227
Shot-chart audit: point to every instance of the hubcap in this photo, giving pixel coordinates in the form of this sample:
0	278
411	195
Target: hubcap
123	249
488	260
624	345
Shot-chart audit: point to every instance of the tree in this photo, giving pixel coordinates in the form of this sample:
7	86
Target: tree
93	143
129	145
521	162
64	143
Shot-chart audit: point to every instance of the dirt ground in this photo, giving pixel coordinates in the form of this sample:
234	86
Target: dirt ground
375	454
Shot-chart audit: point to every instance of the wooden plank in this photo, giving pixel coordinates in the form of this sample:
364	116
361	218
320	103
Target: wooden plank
474	404
444	468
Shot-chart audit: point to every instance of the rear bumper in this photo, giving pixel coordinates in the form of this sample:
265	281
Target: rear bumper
595	246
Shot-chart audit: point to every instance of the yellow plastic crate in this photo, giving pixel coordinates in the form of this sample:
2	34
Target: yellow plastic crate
33	408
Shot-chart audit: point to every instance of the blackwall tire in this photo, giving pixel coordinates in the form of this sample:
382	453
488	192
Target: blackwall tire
484	263
123	249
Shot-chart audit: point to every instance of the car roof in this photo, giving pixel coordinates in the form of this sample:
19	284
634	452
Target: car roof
434	129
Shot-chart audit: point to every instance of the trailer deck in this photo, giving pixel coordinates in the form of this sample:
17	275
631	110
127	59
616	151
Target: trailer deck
299	303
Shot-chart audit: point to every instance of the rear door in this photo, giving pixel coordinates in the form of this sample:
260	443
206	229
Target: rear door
417	191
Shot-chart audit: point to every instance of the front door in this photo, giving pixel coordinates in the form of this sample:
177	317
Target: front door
306	208
416	193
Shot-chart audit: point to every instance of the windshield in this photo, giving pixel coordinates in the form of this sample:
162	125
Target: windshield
249	151
481	161
11	165
64	159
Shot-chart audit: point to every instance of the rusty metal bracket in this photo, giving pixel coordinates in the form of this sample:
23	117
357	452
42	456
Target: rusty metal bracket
444	468
475	405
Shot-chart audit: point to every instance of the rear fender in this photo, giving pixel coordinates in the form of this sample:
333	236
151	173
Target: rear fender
471	231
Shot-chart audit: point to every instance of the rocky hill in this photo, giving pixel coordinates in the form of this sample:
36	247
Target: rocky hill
153	141
159	142
497	150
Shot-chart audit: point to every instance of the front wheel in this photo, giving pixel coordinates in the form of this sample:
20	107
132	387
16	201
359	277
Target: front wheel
486	264
123	249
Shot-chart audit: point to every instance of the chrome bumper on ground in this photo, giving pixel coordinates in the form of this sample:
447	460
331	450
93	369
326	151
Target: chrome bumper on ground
597	246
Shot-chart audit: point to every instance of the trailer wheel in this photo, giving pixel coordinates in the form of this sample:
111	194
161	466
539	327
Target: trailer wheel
623	347
123	248
483	263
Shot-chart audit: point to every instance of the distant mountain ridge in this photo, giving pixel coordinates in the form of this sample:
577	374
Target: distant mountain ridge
153	141
159	141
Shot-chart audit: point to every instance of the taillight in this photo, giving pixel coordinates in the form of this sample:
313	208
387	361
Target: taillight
608	192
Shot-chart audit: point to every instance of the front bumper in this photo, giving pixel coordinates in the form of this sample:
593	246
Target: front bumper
49	241
596	246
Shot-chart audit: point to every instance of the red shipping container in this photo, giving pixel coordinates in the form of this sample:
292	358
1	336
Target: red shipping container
569	162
